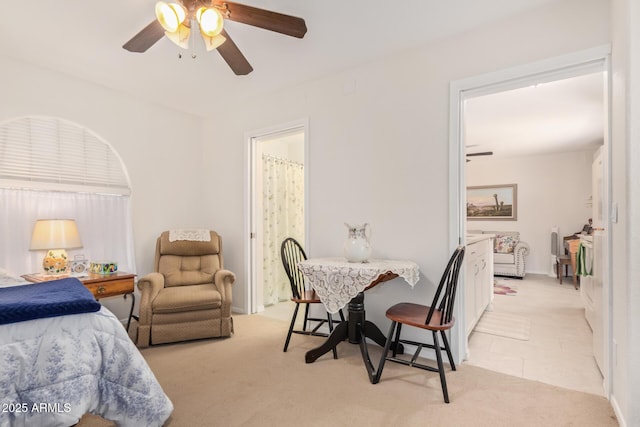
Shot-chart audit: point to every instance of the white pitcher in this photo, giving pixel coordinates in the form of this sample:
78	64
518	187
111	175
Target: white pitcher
357	247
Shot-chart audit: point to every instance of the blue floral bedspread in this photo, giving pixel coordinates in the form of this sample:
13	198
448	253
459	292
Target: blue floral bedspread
54	370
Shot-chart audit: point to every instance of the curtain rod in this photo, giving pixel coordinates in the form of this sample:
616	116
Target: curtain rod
271	156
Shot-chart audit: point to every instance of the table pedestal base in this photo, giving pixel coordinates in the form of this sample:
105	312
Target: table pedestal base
356	329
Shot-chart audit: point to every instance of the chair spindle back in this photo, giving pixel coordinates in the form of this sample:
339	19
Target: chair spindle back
443	302
292	253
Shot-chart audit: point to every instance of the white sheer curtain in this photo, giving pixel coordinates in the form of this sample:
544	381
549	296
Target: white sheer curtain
283	216
104	223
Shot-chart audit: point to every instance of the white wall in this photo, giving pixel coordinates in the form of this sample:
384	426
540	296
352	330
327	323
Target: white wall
289	147
625	141
553	190
378	142
160	148
633	218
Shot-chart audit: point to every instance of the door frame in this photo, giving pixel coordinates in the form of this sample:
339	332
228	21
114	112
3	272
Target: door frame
574	64
251	163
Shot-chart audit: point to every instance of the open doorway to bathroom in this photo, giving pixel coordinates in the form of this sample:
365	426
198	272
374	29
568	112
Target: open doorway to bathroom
278	199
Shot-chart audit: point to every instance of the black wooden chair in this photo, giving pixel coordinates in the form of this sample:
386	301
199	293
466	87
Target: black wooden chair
438	317
292	253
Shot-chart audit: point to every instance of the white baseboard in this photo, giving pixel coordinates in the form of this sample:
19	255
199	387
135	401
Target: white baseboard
618	412
239	310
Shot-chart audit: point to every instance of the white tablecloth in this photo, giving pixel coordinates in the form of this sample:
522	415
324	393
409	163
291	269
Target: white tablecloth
337	281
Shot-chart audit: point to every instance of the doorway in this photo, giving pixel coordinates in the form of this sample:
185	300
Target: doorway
278	209
580	63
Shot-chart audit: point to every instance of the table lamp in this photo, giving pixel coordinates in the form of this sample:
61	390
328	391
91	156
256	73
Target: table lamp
54	236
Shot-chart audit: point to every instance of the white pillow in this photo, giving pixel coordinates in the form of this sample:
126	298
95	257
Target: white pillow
9	279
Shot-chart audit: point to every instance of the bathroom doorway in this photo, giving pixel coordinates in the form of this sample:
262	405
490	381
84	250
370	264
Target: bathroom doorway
278	206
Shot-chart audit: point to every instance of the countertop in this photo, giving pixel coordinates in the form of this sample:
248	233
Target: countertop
474	238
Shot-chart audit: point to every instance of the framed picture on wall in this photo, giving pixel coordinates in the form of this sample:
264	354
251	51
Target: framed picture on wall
492	202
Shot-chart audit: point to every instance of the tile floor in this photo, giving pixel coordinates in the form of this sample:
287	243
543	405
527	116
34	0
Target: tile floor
559	349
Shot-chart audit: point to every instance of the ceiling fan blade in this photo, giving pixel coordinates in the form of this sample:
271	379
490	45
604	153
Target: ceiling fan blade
145	38
266	19
482	153
232	55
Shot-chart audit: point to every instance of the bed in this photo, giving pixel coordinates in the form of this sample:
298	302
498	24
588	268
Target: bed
55	369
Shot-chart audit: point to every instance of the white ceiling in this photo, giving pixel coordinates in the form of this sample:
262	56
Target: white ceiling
559	116
84	39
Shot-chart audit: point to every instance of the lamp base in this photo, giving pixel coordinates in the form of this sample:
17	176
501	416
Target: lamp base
56	262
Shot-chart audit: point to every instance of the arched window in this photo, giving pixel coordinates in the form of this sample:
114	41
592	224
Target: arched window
51	168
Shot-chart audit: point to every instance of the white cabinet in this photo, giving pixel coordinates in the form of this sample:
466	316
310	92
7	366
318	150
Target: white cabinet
478	279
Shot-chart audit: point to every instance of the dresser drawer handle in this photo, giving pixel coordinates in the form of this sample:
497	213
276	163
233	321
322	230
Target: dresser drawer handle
101	290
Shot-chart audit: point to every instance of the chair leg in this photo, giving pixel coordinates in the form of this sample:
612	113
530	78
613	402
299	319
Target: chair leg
396	340
385	351
306	317
448	350
443	380
341	315
293	321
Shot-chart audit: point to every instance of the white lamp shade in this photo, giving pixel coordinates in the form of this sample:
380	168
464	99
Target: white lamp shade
170	15
210	20
55	234
180	36
213	42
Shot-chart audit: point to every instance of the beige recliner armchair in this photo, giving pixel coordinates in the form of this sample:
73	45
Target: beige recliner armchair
189	295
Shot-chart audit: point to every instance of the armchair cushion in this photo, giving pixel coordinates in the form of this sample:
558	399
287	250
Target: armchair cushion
186	271
189	298
501	258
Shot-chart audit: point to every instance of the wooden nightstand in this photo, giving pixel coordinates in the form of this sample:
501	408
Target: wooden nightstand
100	285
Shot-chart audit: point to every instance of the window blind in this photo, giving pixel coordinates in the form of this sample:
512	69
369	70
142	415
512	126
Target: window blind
52	153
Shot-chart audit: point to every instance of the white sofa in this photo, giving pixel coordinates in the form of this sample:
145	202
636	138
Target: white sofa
509	253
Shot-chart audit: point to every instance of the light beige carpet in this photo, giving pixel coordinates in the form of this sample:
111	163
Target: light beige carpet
247	380
504	325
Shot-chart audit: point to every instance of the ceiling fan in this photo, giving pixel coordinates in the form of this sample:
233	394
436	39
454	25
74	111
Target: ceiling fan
176	19
481	153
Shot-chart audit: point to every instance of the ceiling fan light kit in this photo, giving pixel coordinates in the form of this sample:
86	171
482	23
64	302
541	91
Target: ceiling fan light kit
175	19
